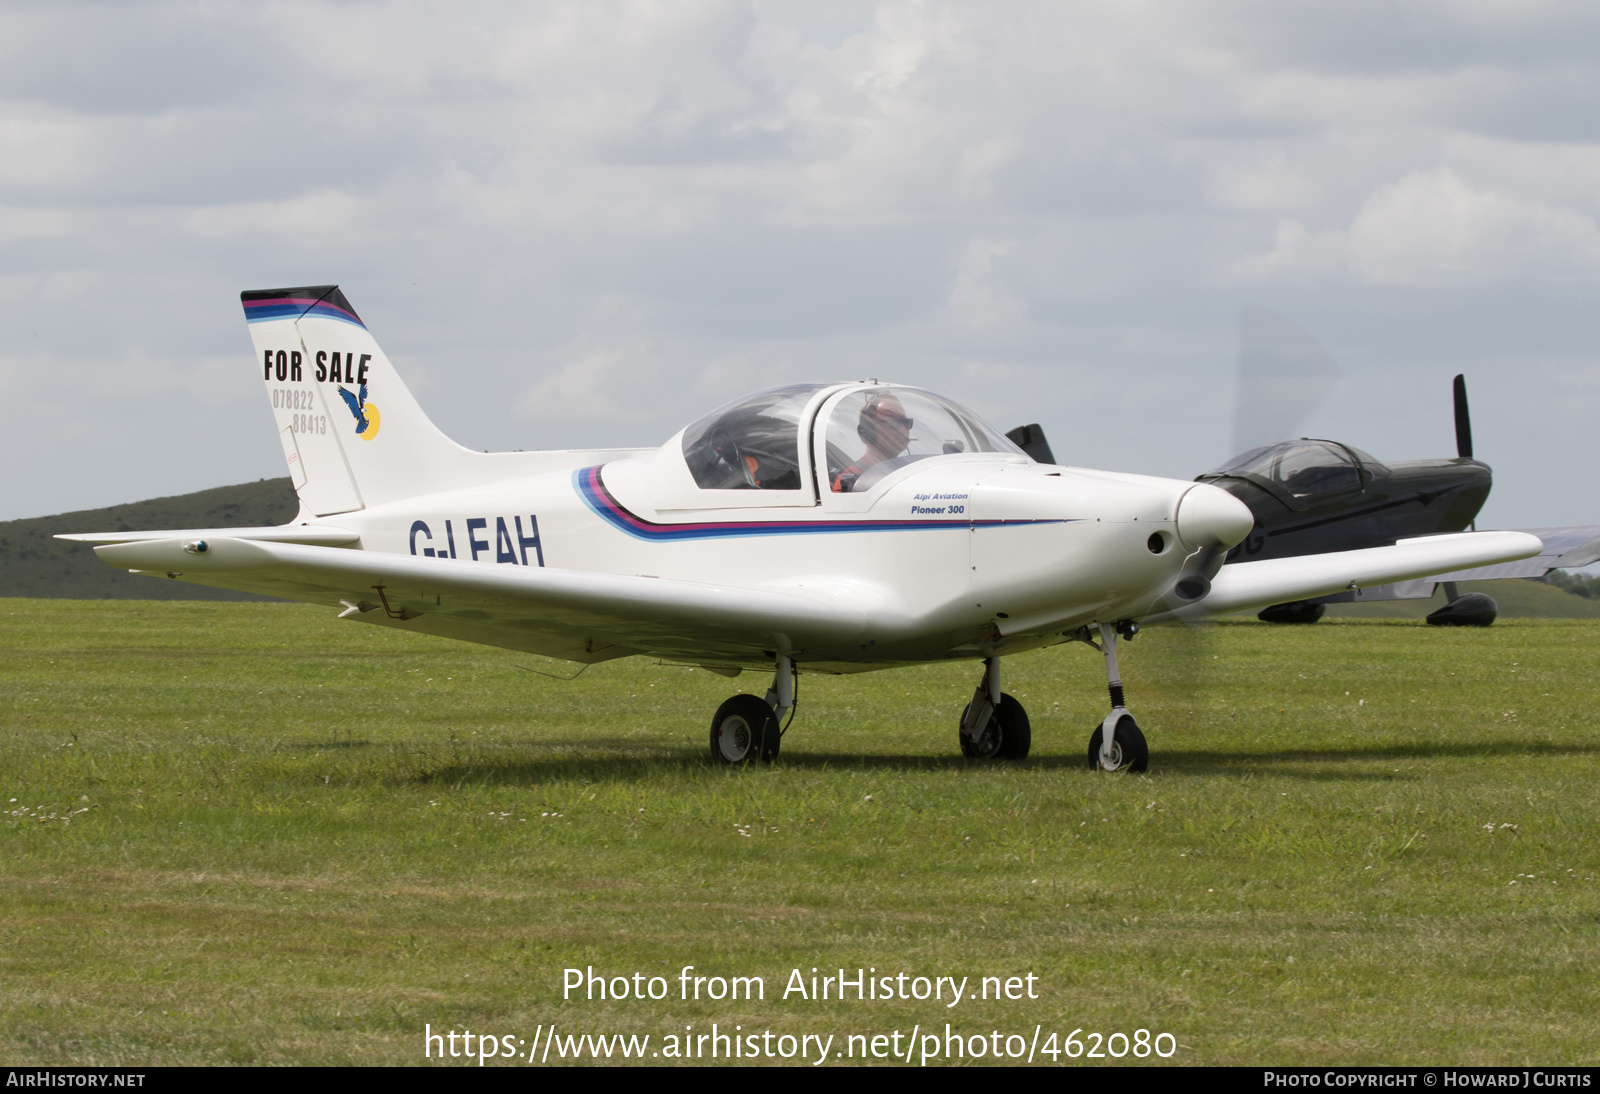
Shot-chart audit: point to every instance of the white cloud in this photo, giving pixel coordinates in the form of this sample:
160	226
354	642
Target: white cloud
46	148
32	222
322	217
777	191
976	299
1433	228
584	388
1264	180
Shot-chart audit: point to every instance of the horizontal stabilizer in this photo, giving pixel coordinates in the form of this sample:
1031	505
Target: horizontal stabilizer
315	535
574	614
1246	586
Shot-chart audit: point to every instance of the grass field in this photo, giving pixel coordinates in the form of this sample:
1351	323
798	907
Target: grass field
249	833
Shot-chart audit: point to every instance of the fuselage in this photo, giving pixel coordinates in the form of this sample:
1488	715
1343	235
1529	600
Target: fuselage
1340	499
952	556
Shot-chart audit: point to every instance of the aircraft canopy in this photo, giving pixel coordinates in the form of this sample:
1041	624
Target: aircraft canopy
874	431
1303	468
753	443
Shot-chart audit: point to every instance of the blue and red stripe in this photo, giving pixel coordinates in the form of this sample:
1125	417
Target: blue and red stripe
595	495
294	307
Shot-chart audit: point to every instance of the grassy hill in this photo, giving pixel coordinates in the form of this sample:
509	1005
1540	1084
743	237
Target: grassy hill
33	564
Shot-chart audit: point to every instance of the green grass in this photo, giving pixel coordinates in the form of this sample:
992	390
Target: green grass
249	833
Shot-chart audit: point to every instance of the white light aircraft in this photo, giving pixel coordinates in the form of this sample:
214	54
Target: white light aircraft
830	527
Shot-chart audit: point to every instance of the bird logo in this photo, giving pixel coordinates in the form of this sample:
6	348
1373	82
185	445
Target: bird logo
366	413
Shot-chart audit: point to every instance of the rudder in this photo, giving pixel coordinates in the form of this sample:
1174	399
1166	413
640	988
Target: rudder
352	434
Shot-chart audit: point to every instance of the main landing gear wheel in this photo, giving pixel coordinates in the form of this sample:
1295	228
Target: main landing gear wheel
743	730
1128	750
1008	736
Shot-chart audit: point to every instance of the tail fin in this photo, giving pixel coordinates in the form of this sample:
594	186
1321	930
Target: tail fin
352	433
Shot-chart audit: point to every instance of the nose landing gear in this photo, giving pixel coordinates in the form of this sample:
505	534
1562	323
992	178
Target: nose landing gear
994	726
1117	743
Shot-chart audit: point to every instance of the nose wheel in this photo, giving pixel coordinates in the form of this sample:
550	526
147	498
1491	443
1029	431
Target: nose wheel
1128	749
1118	744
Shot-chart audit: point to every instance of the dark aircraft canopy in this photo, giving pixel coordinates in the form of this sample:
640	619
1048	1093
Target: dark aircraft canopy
1303	469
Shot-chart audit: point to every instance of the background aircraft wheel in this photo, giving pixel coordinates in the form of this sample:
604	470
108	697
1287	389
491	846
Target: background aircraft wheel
743	730
1466	610
1300	611
1127	746
1008	736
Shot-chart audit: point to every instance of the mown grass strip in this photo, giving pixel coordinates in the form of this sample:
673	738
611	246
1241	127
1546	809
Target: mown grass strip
249	833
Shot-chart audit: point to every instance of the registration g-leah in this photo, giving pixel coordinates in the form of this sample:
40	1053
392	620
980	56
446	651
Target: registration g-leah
826	527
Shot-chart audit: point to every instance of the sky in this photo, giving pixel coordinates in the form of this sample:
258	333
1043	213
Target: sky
586	224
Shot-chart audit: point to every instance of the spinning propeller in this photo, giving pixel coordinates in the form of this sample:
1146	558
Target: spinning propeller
1284	374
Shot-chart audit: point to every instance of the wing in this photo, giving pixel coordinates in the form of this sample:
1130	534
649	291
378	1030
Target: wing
561	613
1244	586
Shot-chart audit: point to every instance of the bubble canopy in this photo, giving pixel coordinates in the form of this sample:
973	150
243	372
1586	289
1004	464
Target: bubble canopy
877	430
1304	468
753	443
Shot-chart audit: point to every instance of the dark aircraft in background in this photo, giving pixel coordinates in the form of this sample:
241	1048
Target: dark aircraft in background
1311	496
1316	495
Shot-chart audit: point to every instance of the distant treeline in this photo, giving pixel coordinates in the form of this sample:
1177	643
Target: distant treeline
1577	584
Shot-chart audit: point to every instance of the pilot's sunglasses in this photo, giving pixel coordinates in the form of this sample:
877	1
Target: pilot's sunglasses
891	419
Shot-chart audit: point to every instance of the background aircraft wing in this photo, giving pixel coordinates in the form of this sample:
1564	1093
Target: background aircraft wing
1571	547
570	614
1567	547
1244	586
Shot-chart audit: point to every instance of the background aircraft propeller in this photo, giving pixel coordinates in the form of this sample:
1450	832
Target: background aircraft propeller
1284	373
1463	419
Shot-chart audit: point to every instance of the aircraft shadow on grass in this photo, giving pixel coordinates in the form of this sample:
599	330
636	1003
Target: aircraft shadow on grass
587	761
1293	762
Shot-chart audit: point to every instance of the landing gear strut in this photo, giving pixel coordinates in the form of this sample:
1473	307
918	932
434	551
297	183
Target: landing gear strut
1118	743
746	729
994	726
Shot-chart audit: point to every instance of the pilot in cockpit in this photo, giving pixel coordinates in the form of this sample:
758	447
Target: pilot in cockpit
886	431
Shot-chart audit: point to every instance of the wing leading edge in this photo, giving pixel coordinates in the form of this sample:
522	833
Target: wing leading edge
1245	586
